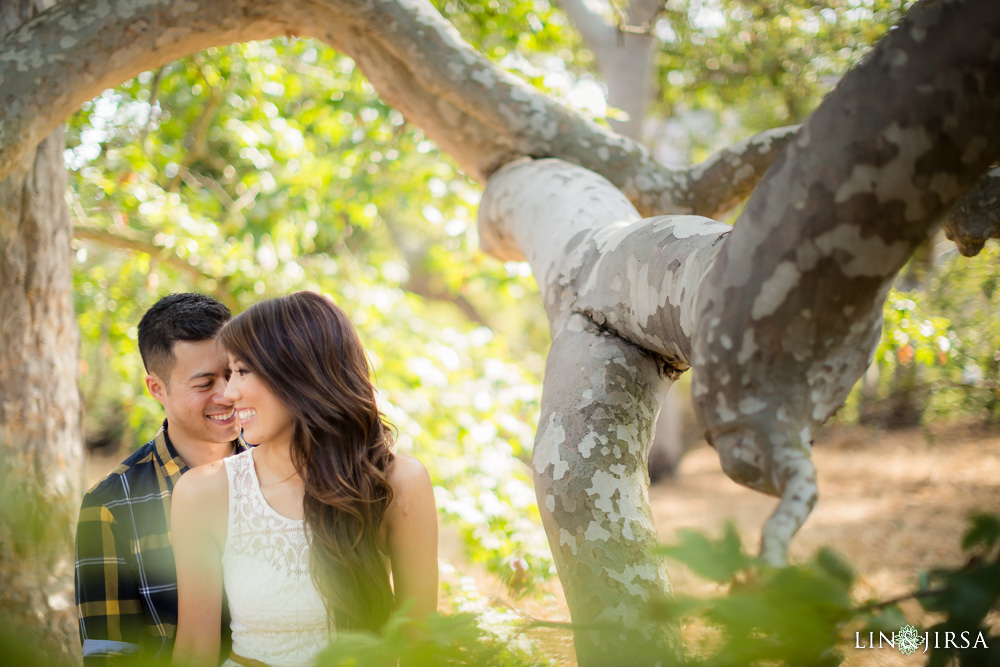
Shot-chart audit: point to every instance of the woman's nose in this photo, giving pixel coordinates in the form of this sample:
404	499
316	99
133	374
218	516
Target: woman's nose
232	391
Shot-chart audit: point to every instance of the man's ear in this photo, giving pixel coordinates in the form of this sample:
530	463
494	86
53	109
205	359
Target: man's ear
157	387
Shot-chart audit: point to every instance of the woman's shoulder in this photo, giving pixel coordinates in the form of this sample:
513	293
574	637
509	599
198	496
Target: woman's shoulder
206	483
413	509
408	474
200	504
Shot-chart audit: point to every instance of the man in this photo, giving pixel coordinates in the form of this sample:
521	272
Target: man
126	583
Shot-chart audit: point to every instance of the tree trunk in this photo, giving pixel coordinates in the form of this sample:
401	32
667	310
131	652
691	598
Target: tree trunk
626	64
625	59
618	291
41	453
599	405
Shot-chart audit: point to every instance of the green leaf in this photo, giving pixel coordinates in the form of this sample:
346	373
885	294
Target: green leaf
984	530
719	560
834	564
887	619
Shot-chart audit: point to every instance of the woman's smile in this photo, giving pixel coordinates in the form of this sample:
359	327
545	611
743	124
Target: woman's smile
265	419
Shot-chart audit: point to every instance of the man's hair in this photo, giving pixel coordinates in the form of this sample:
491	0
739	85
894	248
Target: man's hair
185	316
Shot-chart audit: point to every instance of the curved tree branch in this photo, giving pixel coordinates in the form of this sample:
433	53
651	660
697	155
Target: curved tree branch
595	32
477	112
68	54
976	217
791	309
729	176
416	50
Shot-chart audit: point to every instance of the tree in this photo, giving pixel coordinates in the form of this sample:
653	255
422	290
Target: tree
776	317
625	53
40	436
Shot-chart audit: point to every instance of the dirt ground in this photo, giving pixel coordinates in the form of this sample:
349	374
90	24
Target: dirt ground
894	503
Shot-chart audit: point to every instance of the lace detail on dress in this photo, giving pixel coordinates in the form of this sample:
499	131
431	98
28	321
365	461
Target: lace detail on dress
278	616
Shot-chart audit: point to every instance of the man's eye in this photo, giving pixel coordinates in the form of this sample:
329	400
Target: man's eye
203	387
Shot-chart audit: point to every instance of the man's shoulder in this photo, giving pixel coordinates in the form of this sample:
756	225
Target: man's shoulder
139	464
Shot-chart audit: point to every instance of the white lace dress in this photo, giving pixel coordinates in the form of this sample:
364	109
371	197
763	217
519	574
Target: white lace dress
277	614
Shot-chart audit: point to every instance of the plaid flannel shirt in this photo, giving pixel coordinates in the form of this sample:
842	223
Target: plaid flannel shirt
126	581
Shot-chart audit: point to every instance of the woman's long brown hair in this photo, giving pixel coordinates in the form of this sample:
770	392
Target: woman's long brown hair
305	349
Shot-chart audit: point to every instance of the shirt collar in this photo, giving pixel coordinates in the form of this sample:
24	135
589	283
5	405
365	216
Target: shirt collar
171	462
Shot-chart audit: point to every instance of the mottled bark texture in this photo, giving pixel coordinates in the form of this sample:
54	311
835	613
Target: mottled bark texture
626	62
599	406
976	217
41	470
618	291
789	314
779	317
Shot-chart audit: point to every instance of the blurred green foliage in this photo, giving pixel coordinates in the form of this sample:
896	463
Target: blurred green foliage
939	356
805	614
264	168
441	640
742	67
964	596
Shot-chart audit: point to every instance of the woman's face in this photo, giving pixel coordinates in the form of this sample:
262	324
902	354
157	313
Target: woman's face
264	418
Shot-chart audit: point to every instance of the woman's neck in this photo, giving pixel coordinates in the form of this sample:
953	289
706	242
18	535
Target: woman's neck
276	460
280	484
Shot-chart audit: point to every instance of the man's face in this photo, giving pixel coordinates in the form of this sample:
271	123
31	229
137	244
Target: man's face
193	395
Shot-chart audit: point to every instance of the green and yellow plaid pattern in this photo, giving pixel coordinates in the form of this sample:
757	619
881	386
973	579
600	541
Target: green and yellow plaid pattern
126	582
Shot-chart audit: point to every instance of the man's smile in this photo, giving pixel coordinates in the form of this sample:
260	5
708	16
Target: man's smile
223	417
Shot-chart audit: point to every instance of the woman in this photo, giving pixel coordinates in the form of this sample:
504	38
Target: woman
302	528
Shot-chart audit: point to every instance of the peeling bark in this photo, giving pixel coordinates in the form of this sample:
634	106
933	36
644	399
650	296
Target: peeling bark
626	63
619	292
599	405
599	402
790	312
727	178
591	253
